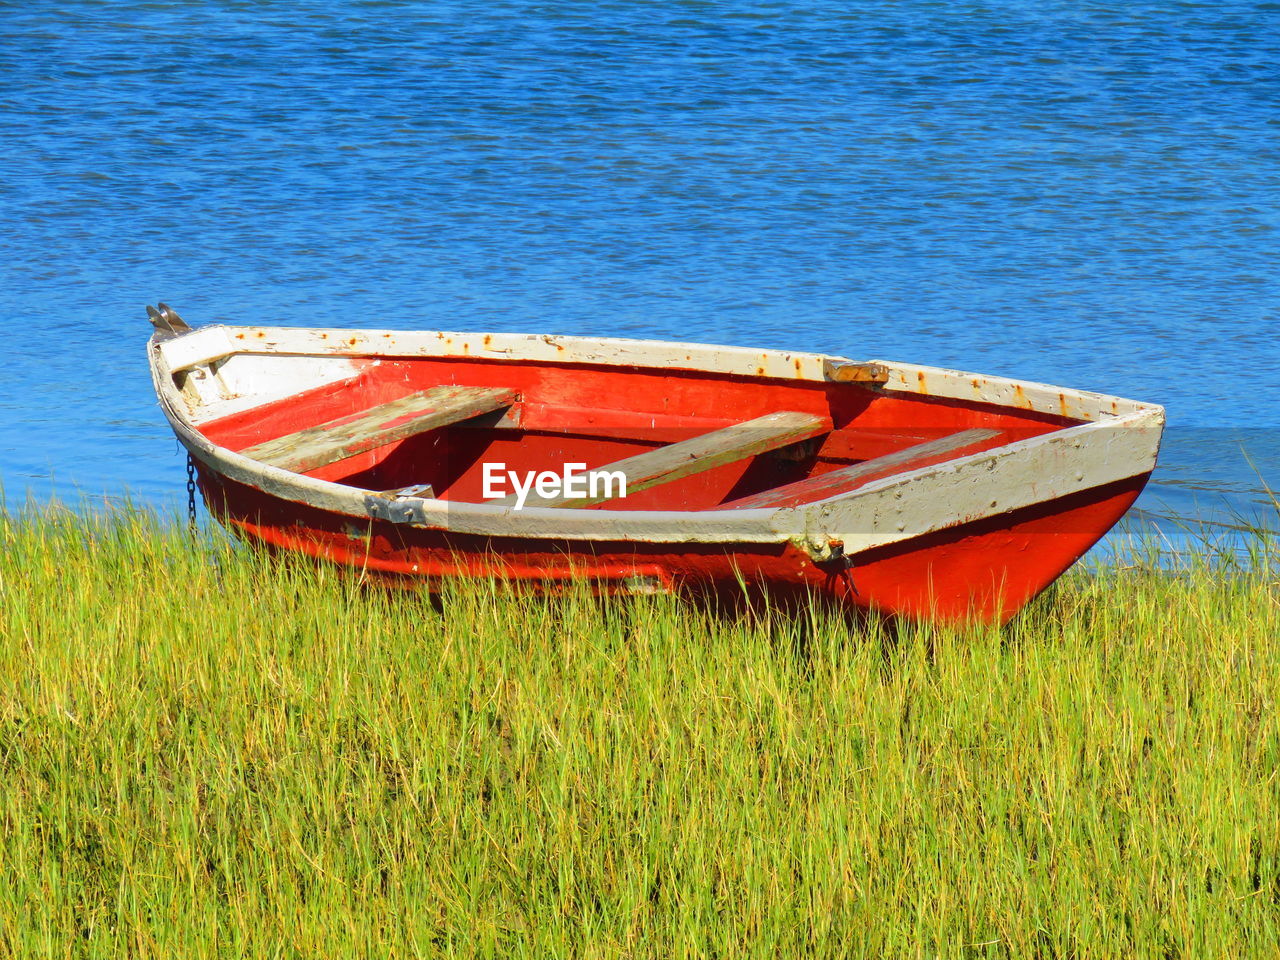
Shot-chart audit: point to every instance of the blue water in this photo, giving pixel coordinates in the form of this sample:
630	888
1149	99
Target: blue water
1081	193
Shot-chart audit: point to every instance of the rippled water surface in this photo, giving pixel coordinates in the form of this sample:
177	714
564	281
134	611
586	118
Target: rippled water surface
1079	193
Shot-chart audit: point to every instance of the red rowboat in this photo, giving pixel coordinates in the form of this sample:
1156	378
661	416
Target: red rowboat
646	466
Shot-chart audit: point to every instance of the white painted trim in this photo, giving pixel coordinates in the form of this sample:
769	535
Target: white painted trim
209	343
983	485
1122	443
737	361
1004	392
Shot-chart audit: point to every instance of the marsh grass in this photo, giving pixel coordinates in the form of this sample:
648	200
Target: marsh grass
208	752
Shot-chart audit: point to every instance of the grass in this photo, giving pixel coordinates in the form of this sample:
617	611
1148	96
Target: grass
207	752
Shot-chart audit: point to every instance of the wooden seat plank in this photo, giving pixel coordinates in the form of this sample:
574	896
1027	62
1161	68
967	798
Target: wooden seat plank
369	429
697	454
849	478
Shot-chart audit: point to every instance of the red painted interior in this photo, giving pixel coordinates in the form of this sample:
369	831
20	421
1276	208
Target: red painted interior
597	415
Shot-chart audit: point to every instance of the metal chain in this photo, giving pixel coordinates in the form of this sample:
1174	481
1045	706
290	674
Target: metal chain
191	492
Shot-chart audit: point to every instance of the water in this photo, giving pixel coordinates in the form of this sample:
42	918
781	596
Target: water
1081	193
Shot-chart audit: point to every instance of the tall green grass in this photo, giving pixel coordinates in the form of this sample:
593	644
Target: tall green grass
208	752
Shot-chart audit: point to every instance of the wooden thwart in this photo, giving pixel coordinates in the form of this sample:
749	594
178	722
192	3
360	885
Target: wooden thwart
347	436
849	478
695	455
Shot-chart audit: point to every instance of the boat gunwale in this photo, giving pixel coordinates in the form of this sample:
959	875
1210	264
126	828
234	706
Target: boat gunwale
660	355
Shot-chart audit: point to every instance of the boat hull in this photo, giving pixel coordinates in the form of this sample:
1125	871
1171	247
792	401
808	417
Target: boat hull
883	486
980	571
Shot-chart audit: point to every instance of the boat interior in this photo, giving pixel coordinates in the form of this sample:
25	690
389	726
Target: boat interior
684	439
